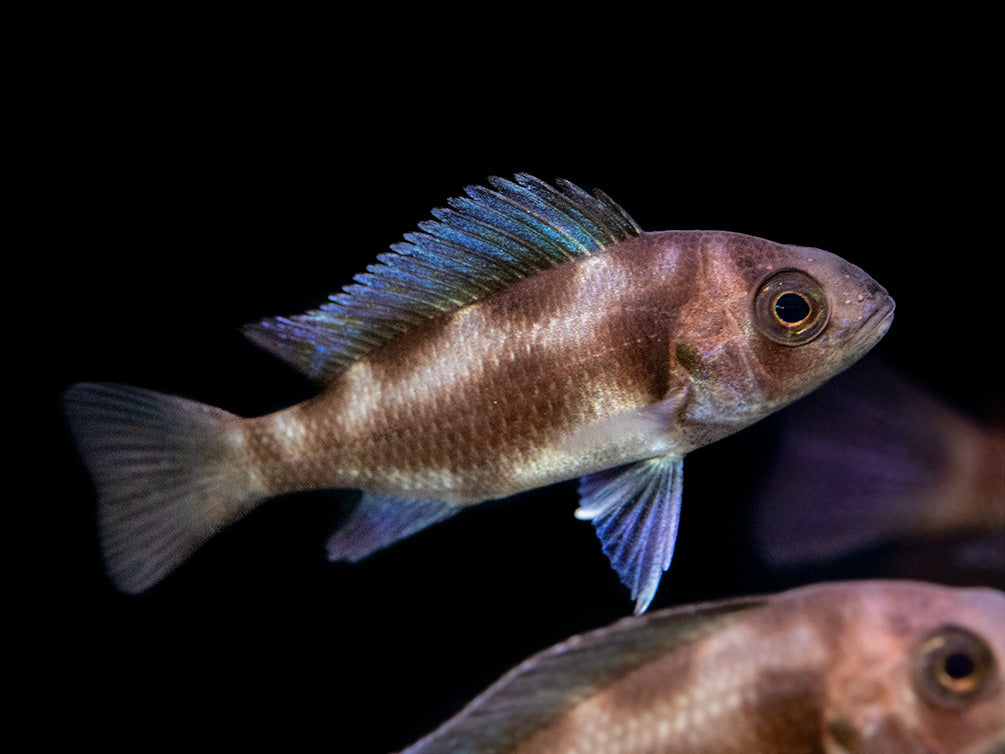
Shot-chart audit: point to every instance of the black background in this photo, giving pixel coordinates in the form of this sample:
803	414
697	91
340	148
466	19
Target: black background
180	185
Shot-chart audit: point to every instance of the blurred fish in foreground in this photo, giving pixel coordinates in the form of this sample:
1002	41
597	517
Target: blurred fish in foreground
881	667
872	458
530	334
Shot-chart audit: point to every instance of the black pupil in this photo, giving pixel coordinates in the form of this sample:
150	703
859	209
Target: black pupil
791	308
959	665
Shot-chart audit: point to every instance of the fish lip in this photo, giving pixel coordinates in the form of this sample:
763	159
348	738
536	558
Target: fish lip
885	315
872	330
878	321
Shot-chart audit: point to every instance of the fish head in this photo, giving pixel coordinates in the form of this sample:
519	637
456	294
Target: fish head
785	320
810	315
926	674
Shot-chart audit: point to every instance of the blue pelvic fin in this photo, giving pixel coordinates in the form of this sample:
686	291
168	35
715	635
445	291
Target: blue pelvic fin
379	521
635	510
483	243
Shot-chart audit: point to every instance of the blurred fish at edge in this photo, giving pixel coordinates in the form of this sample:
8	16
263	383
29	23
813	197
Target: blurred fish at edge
874	459
874	666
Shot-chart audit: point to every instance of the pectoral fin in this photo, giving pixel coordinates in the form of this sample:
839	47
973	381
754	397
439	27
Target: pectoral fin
635	510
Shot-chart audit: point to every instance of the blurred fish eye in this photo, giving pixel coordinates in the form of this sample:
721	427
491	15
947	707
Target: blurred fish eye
953	666
791	308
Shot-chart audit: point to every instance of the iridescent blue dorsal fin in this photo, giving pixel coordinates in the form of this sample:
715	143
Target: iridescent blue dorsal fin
482	243
635	510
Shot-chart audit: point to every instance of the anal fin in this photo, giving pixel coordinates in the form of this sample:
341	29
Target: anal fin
635	510
379	521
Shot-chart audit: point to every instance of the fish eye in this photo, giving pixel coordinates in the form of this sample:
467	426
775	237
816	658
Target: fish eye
791	308
953	666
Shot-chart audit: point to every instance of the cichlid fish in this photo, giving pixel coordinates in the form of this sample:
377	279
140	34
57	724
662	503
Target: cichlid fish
873	667
529	334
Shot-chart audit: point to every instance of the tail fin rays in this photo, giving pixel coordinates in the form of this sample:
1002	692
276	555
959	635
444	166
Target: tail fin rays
169	474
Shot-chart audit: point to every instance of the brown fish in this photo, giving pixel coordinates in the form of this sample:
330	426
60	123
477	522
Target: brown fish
881	667
529	335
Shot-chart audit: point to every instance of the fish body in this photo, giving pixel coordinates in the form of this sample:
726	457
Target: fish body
881	667
529	335
599	362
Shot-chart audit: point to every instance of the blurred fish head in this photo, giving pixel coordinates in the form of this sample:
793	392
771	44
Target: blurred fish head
789	319
923	675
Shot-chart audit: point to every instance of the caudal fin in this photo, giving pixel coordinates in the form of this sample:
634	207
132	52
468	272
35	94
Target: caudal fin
169	474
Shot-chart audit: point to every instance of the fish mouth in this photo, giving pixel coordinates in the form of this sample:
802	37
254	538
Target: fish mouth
880	320
875	326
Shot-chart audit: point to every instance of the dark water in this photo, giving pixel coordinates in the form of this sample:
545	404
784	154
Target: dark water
185	218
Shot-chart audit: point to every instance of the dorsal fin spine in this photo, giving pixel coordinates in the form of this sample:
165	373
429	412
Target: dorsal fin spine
555	209
490	212
460	257
496	262
614	229
486	239
558	236
554	222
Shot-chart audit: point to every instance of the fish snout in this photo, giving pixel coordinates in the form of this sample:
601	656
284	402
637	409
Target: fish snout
860	319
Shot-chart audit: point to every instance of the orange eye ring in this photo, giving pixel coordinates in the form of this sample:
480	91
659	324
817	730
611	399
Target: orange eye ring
791	308
953	666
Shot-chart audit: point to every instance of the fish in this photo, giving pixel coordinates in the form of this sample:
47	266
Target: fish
529	334
875	459
883	667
